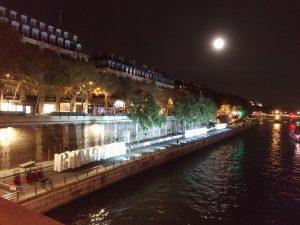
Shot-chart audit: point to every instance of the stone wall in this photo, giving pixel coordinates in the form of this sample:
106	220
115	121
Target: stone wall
22	142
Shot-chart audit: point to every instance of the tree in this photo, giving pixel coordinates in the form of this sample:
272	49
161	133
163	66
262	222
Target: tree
11	58
145	110
195	110
80	76
11	51
38	72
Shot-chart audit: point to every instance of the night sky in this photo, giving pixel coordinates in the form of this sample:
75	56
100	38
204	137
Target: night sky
261	61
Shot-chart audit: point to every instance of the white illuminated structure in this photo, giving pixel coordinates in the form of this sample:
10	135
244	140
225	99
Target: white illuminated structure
78	158
195	132
220	126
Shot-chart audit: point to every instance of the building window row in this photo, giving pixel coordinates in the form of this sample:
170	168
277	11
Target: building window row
146	74
12	15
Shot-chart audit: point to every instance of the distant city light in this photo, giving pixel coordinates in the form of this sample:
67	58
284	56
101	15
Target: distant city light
218	43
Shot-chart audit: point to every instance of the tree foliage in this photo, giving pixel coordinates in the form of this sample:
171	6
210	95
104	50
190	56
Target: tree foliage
145	109
195	109
11	50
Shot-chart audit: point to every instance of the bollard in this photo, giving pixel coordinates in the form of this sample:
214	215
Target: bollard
18	195
35	189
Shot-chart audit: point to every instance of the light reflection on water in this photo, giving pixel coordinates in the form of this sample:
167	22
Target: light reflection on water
253	178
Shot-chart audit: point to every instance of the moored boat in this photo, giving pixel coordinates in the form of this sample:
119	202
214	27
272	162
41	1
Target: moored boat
294	132
295	136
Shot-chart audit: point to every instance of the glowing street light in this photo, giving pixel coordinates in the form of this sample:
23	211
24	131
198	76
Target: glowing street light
218	43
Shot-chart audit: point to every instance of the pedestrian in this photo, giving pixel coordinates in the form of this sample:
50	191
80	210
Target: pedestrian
43	182
177	142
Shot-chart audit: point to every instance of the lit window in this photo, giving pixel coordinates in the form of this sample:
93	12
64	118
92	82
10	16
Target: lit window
28	109
48	108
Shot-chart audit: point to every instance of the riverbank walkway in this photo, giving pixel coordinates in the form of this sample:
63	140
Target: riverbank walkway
55	179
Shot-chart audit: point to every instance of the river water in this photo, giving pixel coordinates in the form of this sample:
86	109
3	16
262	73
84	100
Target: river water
253	178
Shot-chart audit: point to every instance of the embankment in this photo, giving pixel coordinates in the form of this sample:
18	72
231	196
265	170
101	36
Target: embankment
71	191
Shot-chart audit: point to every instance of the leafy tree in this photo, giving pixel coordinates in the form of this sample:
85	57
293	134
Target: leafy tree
195	110
80	80
145	109
11	50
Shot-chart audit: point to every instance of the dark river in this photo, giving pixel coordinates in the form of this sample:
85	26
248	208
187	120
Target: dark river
253	178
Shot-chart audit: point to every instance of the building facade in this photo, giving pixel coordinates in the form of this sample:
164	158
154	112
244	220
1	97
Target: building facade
44	36
109	64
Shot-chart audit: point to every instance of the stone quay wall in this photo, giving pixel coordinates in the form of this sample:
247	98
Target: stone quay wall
72	191
23	139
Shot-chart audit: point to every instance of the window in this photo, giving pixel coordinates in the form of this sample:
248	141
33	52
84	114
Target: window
44	36
15	25
2	11
66	34
23	19
50	29
33	22
75	38
42	26
58	32
13	15
35	33
52	39
25	30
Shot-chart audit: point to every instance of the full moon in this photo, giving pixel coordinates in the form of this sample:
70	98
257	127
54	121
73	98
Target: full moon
218	43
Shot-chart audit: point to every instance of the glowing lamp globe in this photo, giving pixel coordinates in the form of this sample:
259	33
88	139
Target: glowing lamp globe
218	44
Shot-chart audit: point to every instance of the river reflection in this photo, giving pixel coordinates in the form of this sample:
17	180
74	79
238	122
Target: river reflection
250	179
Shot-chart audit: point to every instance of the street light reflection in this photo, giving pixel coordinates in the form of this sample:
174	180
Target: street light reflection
6	135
